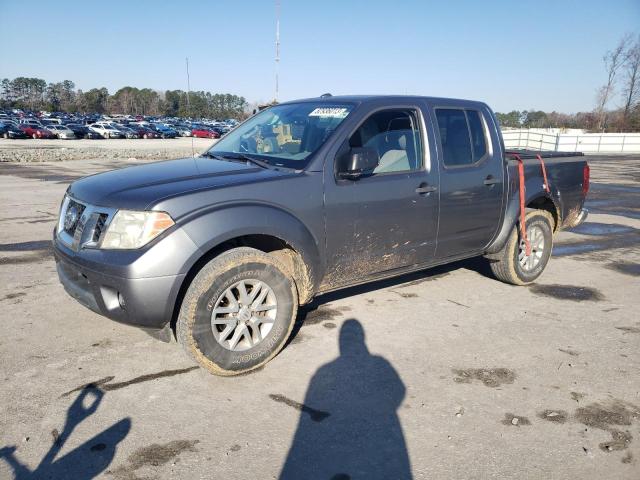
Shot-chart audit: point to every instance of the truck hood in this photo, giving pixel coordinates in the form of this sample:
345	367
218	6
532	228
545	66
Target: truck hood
141	187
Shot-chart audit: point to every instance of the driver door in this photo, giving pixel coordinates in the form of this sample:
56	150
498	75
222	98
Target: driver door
386	219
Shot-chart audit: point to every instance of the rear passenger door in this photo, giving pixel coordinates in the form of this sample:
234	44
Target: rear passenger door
471	180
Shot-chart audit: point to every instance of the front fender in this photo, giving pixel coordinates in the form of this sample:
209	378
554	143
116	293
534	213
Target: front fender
216	226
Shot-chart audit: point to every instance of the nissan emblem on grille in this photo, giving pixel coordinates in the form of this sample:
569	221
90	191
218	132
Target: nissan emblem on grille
71	218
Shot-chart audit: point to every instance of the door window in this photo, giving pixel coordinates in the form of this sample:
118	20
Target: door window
394	135
478	140
462	136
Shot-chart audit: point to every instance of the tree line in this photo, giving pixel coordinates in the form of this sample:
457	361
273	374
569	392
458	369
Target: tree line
36	94
617	107
589	121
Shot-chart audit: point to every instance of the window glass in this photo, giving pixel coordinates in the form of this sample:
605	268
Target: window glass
478	139
285	135
454	137
395	136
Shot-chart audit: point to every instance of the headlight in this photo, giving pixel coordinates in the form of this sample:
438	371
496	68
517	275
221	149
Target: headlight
130	229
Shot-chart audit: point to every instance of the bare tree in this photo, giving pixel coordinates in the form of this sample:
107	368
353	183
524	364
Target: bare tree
631	92
613	61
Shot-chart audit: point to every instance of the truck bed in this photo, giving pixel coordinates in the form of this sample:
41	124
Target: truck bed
565	173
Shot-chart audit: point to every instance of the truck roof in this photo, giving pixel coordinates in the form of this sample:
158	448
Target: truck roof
387	98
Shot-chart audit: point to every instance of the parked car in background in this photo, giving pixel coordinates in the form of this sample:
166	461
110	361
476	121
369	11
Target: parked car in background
82	131
62	132
183	130
8	130
128	132
36	131
144	132
221	128
10	122
204	132
46	122
106	130
31	121
165	132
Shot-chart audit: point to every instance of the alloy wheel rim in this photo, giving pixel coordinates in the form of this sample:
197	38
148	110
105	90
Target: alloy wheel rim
243	315
536	240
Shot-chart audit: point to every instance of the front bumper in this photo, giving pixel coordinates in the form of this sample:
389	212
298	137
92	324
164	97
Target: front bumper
109	289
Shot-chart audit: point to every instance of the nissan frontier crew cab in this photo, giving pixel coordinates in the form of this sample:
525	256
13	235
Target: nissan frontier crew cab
303	198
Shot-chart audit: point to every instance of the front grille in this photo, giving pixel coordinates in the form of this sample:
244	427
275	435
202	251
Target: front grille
99	228
82	225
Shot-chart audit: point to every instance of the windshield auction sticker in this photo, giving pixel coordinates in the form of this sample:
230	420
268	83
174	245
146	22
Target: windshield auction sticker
329	112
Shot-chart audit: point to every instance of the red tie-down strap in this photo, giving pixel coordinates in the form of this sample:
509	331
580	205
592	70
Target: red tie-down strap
523	226
544	173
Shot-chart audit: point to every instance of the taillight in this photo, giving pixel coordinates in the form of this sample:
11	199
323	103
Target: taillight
586	174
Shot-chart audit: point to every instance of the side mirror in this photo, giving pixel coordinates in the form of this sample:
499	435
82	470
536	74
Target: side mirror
357	162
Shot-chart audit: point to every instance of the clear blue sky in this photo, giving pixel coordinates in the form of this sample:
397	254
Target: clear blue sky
512	54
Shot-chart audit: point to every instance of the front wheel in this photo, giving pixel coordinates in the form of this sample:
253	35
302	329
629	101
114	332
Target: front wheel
238	312
512	264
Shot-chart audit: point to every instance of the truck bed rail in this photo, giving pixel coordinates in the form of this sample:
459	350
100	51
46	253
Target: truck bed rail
531	154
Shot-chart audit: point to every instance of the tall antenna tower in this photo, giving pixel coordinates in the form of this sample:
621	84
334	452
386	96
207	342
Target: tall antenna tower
193	150
275	99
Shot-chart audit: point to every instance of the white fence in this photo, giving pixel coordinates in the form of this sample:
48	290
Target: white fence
571	142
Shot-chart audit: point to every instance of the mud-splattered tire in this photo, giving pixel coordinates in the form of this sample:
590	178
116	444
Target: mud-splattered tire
198	318
506	264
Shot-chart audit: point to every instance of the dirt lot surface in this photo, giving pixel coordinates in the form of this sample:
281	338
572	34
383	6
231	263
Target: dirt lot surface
444	374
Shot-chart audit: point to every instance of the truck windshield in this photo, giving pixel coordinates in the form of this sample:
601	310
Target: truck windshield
284	135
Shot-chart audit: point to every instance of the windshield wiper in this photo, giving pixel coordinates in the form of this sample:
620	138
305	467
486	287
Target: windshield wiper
235	156
212	155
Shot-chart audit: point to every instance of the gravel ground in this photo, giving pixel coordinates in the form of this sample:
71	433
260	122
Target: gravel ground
63	150
457	375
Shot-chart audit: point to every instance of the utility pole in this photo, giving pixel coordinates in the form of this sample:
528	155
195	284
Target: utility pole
275	99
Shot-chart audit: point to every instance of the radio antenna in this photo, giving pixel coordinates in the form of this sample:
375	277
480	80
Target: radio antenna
193	150
275	99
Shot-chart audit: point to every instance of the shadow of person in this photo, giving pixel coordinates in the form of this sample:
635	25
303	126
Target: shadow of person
349	428
86	461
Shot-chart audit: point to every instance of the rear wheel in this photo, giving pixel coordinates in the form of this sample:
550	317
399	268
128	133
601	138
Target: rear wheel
238	312
34	136
512	264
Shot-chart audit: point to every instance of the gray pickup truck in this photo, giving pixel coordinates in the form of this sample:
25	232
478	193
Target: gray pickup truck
304	198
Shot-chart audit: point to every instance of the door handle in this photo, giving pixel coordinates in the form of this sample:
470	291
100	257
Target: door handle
424	189
490	180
